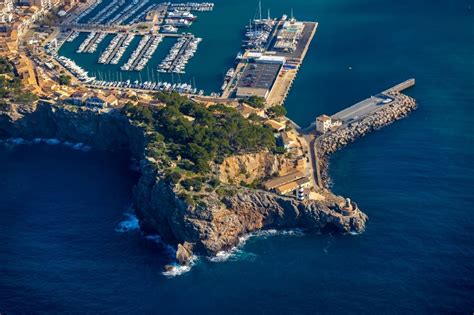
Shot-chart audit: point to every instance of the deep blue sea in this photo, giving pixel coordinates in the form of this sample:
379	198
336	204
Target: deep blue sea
64	247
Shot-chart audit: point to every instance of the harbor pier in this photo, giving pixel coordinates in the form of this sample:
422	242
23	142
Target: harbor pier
372	104
360	119
269	67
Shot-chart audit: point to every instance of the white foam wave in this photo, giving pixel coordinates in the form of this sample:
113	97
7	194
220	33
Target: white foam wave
273	232
52	141
225	255
129	224
177	269
81	147
236	252
78	146
16	141
48	141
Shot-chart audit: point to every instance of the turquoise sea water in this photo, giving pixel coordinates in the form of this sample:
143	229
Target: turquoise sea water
60	251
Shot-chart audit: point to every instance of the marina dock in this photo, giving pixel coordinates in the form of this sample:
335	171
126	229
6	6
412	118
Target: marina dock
112	29
269	67
284	82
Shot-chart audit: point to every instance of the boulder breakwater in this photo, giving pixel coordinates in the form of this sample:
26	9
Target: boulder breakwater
400	106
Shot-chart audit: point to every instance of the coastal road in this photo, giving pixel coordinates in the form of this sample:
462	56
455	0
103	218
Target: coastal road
313	156
310	140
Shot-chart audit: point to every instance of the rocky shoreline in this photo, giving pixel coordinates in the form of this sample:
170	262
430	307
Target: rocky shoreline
212	225
332	141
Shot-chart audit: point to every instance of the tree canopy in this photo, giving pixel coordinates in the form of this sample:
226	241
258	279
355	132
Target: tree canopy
64	79
5	66
255	101
277	111
200	134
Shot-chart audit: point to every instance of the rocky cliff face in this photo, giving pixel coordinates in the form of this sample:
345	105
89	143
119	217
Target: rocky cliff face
216	222
249	167
102	130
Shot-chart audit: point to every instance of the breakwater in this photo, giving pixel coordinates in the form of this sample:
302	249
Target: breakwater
332	141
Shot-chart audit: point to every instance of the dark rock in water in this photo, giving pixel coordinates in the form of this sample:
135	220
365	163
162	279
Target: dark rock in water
169	268
184	254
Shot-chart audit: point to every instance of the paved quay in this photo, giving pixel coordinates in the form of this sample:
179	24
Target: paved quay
371	104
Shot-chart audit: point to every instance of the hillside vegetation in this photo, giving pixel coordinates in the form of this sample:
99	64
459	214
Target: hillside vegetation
190	137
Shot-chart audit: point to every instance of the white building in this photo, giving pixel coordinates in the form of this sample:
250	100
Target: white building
324	123
6	11
271	59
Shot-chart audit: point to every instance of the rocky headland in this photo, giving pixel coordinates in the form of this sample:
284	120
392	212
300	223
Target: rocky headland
209	226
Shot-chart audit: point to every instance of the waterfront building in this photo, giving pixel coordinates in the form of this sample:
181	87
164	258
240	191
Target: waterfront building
247	110
95	101
279	60
298	185
259	74
282	180
303	183
324	123
78	98
286	188
289	35
101	101
289	140
258	78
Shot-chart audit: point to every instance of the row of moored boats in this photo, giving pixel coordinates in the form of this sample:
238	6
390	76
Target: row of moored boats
106	12
86	12
83	76
128	12
148	85
117	47
258	33
179	55
92	41
140	57
72	36
193	6
142	14
75	69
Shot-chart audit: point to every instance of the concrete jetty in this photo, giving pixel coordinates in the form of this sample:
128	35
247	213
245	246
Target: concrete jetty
372	103
269	72
401	86
374	114
284	82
